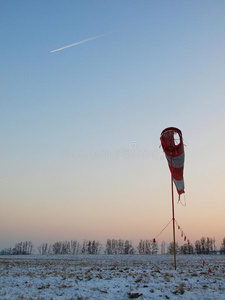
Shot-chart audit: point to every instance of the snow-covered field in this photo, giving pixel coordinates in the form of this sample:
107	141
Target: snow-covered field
112	277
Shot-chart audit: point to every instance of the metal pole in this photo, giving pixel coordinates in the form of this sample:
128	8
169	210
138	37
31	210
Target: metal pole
174	240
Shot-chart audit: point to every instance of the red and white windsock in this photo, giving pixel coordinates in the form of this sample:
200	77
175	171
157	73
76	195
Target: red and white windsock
172	144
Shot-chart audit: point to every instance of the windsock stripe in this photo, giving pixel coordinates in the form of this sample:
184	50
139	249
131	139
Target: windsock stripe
179	185
177	161
177	173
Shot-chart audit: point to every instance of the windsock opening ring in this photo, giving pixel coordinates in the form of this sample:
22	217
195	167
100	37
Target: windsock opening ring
168	141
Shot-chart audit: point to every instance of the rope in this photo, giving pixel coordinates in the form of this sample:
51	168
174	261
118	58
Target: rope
184	204
164	228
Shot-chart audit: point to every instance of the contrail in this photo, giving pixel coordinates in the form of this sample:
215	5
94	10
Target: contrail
81	42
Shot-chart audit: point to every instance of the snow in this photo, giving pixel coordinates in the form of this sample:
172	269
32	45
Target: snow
115	277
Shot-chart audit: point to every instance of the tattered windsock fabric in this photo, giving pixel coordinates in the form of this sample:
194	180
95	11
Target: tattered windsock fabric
172	143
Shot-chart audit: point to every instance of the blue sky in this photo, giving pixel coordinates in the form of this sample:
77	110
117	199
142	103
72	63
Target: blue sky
75	122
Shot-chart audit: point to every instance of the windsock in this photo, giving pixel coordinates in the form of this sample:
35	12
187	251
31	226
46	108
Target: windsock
172	144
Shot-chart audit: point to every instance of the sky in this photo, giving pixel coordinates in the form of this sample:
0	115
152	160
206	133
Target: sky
80	127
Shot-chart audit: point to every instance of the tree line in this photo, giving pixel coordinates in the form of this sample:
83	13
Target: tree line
22	248
115	247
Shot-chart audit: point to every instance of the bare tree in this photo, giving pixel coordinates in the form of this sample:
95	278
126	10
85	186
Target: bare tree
75	247
222	247
163	248
128	248
43	249
155	247
187	249
108	247
140	247
171	248
56	248
23	248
